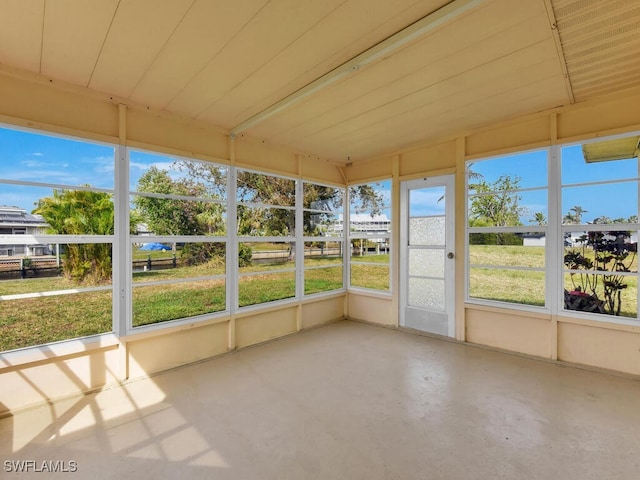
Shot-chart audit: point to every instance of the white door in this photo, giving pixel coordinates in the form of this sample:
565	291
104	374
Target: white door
427	284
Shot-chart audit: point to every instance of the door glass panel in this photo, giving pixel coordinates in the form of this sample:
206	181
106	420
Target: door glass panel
427	230
426	293
426	263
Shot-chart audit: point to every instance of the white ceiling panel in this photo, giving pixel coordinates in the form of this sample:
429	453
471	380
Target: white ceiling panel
202	34
21	33
259	66
73	34
275	27
341	35
138	33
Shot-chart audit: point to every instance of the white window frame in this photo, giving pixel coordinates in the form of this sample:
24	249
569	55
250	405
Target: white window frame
337	239
346	218
554	245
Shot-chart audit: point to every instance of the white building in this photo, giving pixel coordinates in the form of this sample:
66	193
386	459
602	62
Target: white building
16	221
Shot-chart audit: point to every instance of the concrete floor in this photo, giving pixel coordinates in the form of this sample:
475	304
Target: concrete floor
346	401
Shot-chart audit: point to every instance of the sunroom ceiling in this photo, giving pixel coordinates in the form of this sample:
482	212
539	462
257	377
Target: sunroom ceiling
225	62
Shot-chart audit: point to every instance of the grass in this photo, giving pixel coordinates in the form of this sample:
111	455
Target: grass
33	321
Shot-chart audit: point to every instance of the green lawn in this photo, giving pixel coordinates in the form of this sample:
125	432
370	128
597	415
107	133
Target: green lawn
34	321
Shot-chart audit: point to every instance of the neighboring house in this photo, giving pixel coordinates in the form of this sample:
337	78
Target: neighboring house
365	223
572	239
16	221
533	239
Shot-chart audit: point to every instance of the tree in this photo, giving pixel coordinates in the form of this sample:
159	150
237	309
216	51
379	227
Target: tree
497	204
181	216
539	219
574	217
79	212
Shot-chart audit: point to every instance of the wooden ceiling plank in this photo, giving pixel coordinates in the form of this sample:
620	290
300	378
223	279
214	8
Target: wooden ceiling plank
340	36
74	32
511	31
21	34
495	72
138	33
443	99
203	33
261	40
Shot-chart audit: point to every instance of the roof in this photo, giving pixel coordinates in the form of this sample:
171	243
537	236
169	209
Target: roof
17	217
341	79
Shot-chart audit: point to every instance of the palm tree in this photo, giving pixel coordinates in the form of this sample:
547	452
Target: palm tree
539	218
577	213
79	212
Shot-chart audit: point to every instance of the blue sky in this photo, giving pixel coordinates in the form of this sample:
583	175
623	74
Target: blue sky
35	157
614	200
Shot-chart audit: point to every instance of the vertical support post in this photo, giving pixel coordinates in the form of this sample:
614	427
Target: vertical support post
299	252
232	280
394	259
554	238
461	239
346	238
122	246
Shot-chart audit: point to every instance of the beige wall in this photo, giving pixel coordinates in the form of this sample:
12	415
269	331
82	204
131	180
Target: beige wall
597	344
28	377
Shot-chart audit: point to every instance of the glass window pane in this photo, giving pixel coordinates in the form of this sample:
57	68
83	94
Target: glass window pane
501	209
426	263
609	203
426	293
266	189
370	276
40	210
152	172
159	262
262	257
161	303
43	270
607	294
261	222
507	249
34	321
322	279
613	251
322	253
370	199
168	216
428	201
516	286
320	197
576	169
322	224
269	287
34	157
427	231
522	170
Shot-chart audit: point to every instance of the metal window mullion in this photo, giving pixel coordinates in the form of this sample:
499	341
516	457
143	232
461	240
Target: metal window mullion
232	284
600	182
57	186
554	234
122	262
299	248
170	196
266	205
346	237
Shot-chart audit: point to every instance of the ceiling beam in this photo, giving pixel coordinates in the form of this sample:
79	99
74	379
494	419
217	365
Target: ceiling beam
434	20
560	51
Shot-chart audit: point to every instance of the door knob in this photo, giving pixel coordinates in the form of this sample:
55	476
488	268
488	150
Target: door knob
450	255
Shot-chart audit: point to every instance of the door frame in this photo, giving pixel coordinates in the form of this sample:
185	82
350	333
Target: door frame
448	181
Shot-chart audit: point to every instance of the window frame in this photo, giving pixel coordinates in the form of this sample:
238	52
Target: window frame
356	236
554	269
